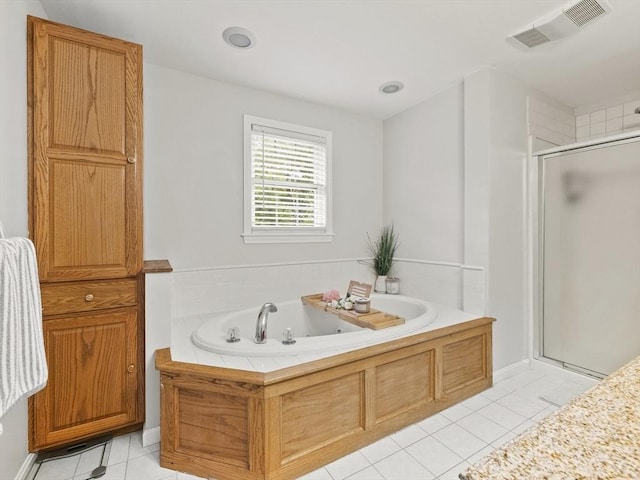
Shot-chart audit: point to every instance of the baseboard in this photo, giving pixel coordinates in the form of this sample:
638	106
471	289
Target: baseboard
150	436
511	370
26	467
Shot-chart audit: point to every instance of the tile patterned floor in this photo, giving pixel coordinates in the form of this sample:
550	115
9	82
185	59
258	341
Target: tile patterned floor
436	448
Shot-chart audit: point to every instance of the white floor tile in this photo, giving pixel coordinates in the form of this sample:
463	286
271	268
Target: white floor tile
320	474
480	454
503	440
402	466
147	467
503	416
454	472
137	450
456	412
544	413
434	423
408	435
119	449
523	426
459	440
60	469
476	402
433	455
525	407
496	392
186	476
380	449
89	460
368	473
483	428
348	465
114	472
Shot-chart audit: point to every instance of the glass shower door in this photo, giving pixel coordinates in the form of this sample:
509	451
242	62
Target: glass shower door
591	256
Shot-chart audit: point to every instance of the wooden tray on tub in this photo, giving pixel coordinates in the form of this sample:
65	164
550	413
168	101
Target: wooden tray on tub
374	319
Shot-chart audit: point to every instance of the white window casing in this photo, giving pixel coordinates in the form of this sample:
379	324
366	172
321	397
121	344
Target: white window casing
287	182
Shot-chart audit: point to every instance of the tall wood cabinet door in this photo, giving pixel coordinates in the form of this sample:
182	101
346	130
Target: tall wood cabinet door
85	126
93	381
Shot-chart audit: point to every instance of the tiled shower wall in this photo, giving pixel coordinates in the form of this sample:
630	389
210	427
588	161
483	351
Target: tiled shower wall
615	119
551	124
558	127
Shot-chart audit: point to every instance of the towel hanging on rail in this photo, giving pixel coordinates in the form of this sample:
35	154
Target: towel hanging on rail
23	365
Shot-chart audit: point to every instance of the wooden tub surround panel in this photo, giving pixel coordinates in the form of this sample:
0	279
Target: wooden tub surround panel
237	425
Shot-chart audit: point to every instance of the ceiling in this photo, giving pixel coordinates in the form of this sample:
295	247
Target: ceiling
338	52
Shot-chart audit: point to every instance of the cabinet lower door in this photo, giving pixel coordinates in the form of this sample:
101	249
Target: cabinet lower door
92	361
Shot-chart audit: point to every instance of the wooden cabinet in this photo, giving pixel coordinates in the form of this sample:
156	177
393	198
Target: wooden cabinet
85	219
85	113
93	383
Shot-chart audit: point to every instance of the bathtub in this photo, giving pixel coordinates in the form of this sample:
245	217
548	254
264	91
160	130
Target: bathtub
314	330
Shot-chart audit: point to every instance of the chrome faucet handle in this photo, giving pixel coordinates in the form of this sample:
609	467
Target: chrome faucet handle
287	336
233	335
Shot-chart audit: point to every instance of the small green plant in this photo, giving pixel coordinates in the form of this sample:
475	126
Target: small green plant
383	249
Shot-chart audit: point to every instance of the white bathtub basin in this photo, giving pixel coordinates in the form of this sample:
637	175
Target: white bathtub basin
314	330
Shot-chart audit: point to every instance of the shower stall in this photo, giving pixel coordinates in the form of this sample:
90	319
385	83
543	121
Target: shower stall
588	265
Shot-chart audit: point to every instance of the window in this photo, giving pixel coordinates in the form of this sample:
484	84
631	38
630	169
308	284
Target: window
287	182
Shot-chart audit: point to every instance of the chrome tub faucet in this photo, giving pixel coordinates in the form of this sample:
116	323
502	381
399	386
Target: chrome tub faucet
261	323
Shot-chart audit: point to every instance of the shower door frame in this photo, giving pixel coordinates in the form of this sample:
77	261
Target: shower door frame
536	236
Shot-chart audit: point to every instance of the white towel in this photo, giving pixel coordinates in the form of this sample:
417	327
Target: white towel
23	364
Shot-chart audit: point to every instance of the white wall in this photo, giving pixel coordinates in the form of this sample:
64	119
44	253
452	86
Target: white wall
193	206
194	167
424	195
423	177
454	176
496	149
13	182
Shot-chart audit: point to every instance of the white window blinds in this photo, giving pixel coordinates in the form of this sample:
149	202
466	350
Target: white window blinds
288	179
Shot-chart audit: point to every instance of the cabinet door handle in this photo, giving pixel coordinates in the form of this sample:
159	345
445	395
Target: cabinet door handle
131	368
88	297
131	159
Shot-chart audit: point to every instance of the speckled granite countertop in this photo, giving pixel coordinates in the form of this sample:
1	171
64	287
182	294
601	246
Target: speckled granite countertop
595	436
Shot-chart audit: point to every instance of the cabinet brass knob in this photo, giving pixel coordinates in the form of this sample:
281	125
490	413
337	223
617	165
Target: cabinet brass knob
131	159
88	297
131	368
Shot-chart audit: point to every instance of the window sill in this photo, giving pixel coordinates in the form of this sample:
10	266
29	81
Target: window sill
253	238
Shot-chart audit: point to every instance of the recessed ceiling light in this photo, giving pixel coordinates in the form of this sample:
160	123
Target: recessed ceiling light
391	87
239	37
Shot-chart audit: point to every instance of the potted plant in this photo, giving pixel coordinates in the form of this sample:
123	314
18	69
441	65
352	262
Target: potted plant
382	250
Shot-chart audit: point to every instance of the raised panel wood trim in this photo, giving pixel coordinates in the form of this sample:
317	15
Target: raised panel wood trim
212	425
404	384
341	398
463	363
321	414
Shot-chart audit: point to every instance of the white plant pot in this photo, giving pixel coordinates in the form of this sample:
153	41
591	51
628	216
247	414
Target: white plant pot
381	284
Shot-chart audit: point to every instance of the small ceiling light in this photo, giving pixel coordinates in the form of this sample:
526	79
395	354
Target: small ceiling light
391	87
239	37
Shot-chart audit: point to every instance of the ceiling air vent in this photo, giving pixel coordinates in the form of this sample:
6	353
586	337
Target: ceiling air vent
531	38
585	11
560	23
